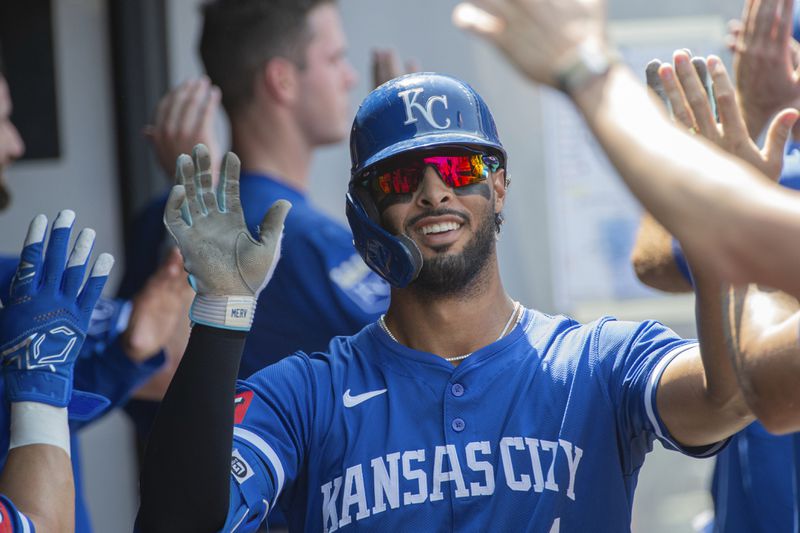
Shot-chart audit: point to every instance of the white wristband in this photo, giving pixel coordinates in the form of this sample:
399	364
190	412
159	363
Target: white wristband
228	312
39	423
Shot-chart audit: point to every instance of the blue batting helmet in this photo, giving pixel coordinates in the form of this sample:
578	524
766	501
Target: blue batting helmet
409	113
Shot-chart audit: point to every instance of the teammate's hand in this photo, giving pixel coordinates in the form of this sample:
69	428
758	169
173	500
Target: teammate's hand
227	267
386	66
764	65
44	323
157	310
541	37
185	117
697	91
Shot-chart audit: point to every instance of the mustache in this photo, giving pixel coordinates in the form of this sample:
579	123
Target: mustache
437	213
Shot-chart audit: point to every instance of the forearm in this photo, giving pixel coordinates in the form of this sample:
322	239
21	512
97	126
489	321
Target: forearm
765	325
38	477
709	200
653	260
186	471
699	397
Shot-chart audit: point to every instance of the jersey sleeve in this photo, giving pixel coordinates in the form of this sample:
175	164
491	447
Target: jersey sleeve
12	520
353	290
639	354
274	410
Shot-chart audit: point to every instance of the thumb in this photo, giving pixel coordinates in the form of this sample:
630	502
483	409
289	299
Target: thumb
777	134
272	224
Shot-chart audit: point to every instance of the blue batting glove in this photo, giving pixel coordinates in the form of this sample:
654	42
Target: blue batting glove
43	326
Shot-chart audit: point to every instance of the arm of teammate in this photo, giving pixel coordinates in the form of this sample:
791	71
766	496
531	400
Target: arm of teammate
716	206
42	329
185	480
764	328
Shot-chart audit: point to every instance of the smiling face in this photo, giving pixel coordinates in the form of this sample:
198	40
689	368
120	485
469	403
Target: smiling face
454	228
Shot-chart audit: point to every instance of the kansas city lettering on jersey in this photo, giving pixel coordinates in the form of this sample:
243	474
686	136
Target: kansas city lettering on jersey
345	499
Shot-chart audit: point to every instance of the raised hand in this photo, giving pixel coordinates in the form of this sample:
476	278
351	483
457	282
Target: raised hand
227	267
543	38
386	66
764	62
44	323
185	117
697	91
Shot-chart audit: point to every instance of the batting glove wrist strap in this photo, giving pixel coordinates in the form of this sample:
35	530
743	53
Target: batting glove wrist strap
228	312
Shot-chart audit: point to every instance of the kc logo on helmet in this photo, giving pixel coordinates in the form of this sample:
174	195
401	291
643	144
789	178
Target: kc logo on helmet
410	100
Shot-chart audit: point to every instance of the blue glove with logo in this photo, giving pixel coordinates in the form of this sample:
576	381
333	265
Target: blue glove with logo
44	323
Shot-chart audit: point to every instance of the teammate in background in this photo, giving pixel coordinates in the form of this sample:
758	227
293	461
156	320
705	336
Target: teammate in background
42	329
459	409
123	346
752	488
285	84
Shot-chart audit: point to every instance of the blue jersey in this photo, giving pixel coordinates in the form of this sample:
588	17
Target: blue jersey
102	367
12	520
543	430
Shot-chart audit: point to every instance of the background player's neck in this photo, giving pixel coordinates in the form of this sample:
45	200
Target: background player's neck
272	145
454	324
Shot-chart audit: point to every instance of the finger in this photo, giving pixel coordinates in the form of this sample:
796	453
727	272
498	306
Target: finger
187	173
161	110
97	280
202	178
484	17
654	82
748	19
680	108
777	135
696	96
193	109
228	188
56	255
729	114
172	120
786	22
173	213
765	21
210	107
76	265
271	231
29	271
701	68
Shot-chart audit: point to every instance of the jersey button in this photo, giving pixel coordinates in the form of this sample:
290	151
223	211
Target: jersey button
457	389
458	424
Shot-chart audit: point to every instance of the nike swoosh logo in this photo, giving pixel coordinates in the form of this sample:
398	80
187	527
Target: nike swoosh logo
352	401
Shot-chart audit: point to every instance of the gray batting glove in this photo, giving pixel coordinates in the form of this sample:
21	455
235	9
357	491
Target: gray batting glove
227	267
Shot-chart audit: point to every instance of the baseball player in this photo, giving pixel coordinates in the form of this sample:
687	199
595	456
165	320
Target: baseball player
42	329
459	409
752	488
123	344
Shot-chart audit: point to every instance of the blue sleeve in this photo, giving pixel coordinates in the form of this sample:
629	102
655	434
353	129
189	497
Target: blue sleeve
273	424
102	366
680	260
640	353
12	520
354	290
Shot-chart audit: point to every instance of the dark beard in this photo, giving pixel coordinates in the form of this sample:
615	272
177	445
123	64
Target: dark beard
455	274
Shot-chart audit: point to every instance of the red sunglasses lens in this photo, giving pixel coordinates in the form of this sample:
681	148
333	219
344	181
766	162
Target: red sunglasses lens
455	171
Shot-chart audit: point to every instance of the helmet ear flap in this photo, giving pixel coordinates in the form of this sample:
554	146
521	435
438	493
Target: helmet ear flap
397	259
